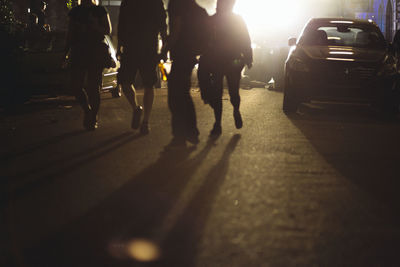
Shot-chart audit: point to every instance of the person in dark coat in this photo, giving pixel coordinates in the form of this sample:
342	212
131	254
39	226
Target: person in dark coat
396	43
88	25
41	14
187	35
229	51
140	24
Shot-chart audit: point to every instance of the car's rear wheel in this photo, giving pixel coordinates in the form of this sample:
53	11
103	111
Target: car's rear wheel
290	100
116	92
390	103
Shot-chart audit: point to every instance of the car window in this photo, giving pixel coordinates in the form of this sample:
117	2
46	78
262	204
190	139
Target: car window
344	35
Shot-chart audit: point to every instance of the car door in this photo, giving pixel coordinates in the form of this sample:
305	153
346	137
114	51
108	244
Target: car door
110	75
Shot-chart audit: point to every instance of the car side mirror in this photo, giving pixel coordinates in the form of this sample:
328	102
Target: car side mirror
292	41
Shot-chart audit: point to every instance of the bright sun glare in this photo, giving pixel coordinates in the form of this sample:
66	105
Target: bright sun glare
268	16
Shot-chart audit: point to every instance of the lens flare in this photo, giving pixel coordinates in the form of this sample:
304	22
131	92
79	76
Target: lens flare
143	250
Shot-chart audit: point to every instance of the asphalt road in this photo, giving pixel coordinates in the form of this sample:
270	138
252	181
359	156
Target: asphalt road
317	188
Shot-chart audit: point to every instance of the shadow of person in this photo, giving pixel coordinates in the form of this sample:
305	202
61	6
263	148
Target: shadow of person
100	237
180	245
28	179
12	155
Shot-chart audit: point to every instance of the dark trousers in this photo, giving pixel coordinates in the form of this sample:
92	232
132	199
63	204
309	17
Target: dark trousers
211	79
180	102
86	85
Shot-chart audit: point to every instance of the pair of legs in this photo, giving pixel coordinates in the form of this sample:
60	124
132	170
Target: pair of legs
145	65
211	83
86	85
233	77
148	99
184	122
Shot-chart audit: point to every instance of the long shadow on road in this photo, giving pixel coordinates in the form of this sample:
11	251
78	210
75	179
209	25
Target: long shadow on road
182	243
26	180
40	145
142	209
365	151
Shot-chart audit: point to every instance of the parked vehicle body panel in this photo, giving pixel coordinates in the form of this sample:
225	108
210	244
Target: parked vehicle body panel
339	59
41	67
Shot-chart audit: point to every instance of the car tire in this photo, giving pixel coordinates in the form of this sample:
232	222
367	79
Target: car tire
116	92
290	101
390	103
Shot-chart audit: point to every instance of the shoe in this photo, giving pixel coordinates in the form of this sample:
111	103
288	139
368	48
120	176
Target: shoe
90	121
144	128
238	119
137	114
94	126
93	122
216	130
86	120
193	139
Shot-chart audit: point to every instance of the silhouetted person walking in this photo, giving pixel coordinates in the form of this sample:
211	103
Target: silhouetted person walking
229	51
41	13
140	23
88	25
186	41
396	44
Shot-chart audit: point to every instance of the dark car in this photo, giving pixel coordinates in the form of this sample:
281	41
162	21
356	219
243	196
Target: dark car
341	60
41	69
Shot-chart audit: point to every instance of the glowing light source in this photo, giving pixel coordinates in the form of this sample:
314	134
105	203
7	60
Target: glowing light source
340	48
268	16
341	22
110	74
340	59
341	53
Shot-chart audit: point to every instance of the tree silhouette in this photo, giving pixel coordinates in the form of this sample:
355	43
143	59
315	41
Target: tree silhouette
7	18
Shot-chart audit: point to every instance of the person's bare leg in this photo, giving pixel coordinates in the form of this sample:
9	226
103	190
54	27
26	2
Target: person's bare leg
130	94
148	99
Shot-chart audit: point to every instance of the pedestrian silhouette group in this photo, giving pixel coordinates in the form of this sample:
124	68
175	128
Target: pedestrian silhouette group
220	44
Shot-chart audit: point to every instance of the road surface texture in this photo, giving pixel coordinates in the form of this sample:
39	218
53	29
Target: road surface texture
317	188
